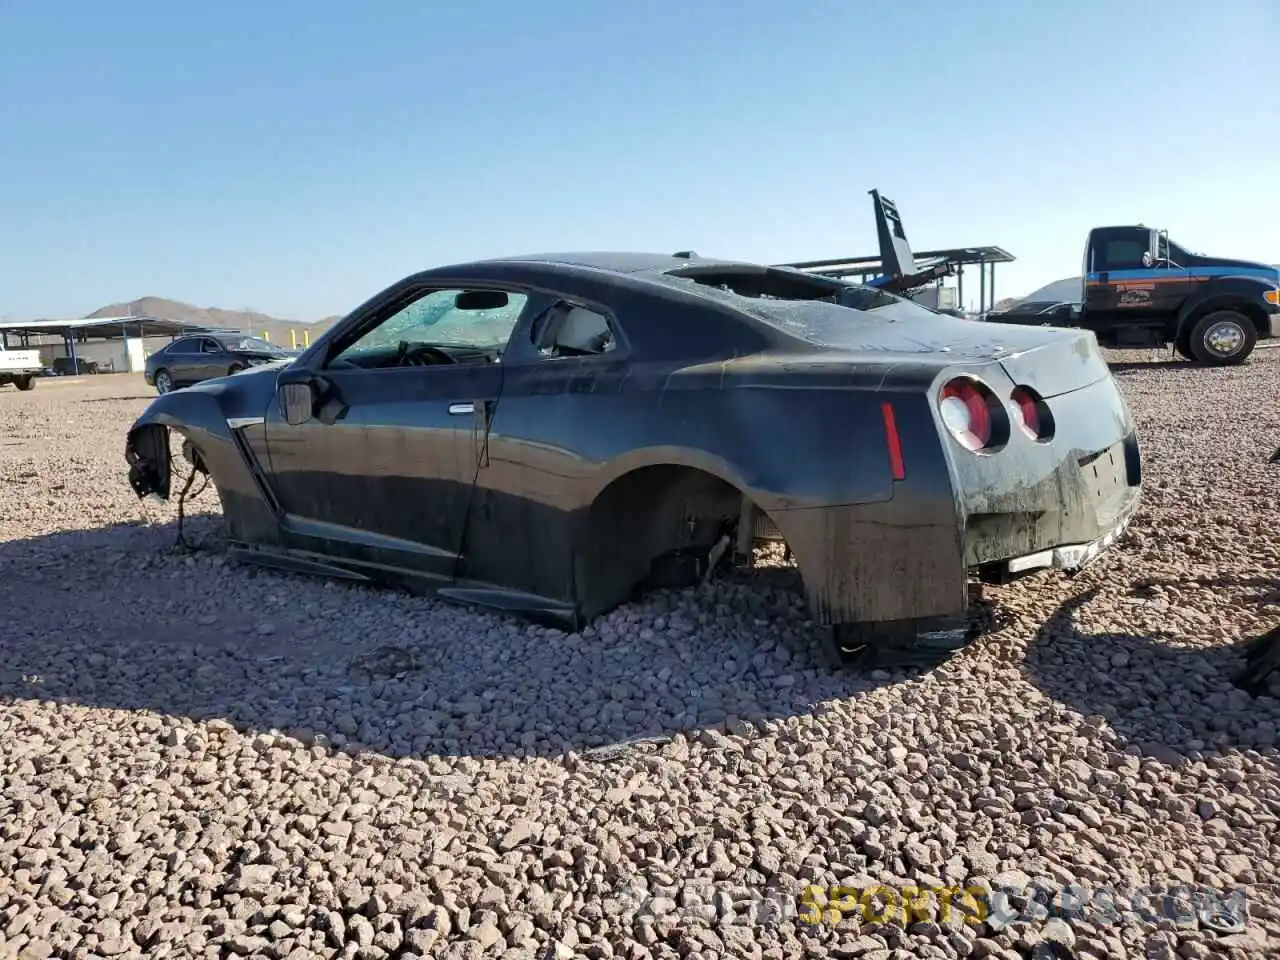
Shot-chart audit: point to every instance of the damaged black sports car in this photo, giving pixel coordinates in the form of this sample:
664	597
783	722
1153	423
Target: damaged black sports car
547	434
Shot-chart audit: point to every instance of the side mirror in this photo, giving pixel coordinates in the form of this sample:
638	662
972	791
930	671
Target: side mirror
1147	259
297	403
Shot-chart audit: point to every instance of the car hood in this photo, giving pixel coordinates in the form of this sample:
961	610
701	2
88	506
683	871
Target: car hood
1251	268
268	365
1250	265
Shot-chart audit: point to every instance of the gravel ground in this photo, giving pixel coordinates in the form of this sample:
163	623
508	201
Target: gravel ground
203	760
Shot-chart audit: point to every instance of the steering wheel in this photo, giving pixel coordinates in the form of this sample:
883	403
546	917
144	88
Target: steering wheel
406	355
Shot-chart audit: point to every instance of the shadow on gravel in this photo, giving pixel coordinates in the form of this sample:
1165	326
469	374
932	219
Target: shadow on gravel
1270	586
136	396
1170	701
119	617
1121	367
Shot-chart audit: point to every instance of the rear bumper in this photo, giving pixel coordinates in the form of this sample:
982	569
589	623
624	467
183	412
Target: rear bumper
1058	504
1073	557
1065	521
1273	317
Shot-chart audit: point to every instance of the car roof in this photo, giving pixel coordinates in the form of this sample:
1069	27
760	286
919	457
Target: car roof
614	261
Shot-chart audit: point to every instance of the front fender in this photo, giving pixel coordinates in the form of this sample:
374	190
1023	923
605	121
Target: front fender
1228	293
204	418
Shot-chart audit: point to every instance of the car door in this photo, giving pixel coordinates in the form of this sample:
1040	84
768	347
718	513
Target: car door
1113	292
211	361
564	373
1172	282
381	475
181	359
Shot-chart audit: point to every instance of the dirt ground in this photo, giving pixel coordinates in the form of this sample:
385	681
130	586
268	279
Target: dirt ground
200	759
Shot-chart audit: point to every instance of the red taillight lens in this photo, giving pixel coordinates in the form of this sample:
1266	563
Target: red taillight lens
966	408
1033	414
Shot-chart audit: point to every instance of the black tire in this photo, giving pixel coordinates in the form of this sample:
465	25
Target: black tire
234	368
1222	338
26	382
164	382
1182	345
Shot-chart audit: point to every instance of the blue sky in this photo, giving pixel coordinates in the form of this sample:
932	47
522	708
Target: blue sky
297	157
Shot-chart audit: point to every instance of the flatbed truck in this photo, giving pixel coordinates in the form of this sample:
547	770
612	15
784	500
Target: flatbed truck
1141	289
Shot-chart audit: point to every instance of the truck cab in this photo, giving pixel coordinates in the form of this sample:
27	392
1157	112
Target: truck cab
1143	289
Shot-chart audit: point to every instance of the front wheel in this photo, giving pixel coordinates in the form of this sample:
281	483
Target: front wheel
234	369
1222	338
1182	345
164	382
26	382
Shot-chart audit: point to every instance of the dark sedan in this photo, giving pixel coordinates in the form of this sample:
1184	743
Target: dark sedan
1047	312
193	359
548	434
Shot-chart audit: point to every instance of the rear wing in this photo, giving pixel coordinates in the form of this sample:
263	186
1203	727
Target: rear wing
901	272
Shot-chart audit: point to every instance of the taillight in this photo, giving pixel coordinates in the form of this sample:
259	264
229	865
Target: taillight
972	414
1033	414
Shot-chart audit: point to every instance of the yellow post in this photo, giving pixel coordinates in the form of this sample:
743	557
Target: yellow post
293	339
306	338
266	335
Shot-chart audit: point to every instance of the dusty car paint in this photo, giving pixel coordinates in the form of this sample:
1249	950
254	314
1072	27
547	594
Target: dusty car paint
551	486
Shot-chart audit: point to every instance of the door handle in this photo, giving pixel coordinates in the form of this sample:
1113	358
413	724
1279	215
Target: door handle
462	409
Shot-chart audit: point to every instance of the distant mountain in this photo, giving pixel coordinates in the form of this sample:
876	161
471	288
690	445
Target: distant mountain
250	321
1071	290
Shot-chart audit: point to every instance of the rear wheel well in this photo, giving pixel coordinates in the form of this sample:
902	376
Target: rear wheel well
650	514
1248	308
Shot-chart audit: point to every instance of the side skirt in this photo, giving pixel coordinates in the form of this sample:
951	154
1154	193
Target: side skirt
556	613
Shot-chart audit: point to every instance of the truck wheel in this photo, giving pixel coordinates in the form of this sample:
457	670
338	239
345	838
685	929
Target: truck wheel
1182	345
25	383
1222	338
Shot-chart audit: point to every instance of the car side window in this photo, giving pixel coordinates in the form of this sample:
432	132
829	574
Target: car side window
209	346
455	325
1123	254
181	346
569	330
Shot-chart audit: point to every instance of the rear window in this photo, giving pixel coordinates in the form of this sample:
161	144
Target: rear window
829	325
823	311
785	283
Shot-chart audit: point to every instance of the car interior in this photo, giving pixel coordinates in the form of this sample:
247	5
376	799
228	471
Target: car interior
565	330
574	331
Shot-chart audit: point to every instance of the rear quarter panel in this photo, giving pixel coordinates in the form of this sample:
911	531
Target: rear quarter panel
804	437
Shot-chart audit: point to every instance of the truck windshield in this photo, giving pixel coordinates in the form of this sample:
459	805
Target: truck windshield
1172	252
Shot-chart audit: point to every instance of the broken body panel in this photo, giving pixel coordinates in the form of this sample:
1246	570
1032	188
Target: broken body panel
553	484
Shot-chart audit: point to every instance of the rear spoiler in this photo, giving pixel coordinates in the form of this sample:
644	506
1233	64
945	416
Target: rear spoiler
901	272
